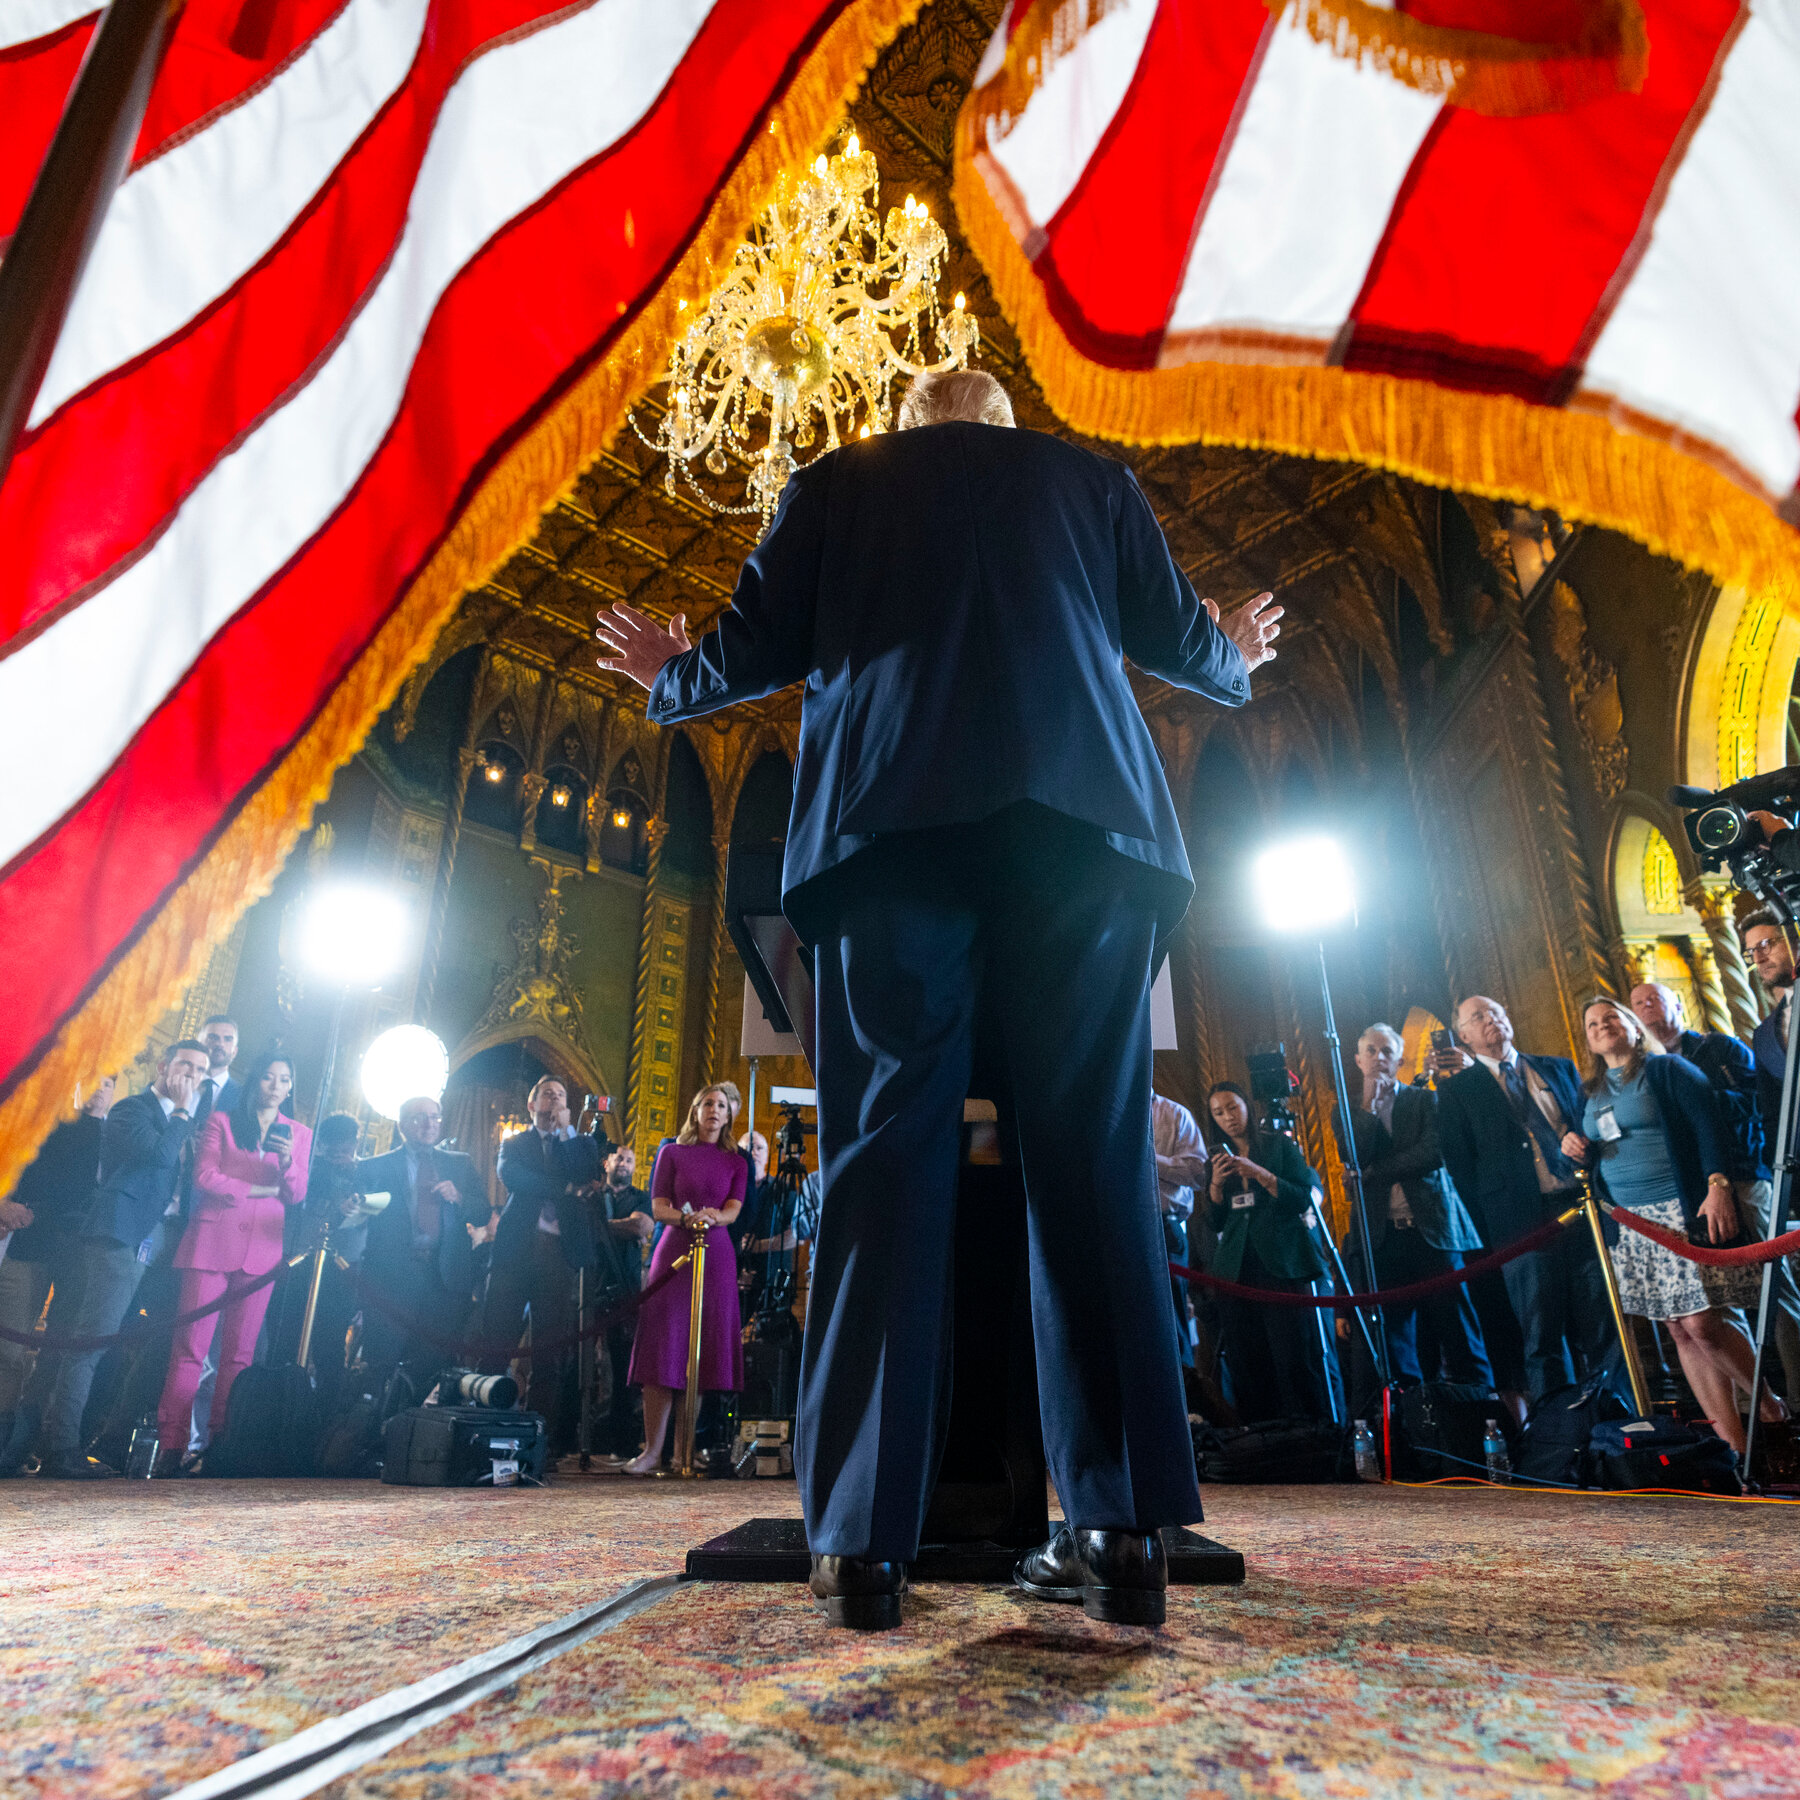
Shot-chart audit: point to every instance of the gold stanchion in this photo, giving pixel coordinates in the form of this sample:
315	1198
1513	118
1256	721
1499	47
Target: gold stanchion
312	1303
1634	1370
684	1445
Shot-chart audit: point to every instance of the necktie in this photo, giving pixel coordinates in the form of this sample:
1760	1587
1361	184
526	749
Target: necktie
427	1207
204	1103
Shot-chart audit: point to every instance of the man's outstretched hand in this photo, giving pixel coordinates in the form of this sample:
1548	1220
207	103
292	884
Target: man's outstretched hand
1253	628
637	646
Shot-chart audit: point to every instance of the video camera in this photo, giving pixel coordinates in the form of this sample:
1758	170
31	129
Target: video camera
466	1387
1724	836
1272	1084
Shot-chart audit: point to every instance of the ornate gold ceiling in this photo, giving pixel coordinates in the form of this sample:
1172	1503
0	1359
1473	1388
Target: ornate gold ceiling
1328	538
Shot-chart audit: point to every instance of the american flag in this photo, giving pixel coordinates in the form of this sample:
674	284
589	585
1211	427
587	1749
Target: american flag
1520	247
369	297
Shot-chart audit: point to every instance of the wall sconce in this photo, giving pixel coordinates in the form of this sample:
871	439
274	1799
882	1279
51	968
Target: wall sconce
560	795
494	771
622	817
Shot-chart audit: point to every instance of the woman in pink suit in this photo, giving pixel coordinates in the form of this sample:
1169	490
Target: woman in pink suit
249	1168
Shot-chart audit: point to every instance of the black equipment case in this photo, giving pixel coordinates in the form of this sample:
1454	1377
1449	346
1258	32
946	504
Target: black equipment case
464	1446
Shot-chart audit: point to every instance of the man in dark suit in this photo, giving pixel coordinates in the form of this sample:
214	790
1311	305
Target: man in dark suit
1502	1122
134	1218
980	821
544	1237
1418	1225
219	1091
418	1255
1765	944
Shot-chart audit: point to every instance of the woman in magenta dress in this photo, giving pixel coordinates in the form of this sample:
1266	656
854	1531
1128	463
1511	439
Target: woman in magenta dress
698	1185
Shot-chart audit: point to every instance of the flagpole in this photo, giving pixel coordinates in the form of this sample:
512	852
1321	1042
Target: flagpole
86	160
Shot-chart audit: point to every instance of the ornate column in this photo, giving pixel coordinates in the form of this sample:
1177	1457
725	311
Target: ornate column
1202	1048
1636	958
1713	904
531	791
1705	965
658	832
446	867
715	960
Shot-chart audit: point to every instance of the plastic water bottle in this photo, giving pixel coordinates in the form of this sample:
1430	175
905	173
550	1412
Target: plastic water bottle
1493	1447
140	1459
1368	1464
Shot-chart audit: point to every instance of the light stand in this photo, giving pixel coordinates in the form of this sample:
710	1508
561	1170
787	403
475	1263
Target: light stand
1303	886
1781	1166
1353	1173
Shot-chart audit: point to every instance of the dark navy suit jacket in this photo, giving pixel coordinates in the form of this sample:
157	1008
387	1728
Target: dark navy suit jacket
1488	1152
389	1245
536	1173
140	1164
1731	1070
1771	1071
958	601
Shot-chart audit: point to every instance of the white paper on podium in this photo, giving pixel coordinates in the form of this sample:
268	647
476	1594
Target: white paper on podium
1162	1011
760	1038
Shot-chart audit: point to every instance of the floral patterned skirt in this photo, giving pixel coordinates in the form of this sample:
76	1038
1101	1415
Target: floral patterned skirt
1657	1284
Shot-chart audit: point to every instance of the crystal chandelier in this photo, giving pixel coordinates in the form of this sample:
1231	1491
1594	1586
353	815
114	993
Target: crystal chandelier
820	310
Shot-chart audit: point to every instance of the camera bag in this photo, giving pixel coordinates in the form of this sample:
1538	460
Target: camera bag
464	1446
1276	1452
272	1424
1662	1453
1440	1427
1557	1444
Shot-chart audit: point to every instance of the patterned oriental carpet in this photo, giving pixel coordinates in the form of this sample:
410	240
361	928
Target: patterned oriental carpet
1418	1643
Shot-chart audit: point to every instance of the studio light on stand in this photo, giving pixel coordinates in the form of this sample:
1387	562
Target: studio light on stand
1304	887
404	1063
352	937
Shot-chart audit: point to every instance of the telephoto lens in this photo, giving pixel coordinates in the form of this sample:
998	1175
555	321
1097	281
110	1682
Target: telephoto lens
487	1390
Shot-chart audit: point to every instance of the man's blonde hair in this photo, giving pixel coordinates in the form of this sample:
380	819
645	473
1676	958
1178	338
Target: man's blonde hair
971	395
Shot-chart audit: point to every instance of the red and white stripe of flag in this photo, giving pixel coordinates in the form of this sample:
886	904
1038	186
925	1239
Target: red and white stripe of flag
350	271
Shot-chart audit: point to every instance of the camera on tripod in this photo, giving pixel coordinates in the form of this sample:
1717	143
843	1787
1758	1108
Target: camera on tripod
1724	836
1272	1086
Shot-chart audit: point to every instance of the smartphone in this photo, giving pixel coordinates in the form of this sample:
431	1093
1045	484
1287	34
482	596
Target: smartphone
1443	1040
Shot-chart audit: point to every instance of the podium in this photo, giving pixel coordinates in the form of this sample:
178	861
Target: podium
990	1502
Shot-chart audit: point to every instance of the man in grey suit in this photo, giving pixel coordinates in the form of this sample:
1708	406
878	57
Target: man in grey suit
1418	1225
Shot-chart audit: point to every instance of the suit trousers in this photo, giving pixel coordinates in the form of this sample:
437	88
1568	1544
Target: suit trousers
24	1287
1559	1296
1276	1361
1448	1316
543	1284
107	1281
1052	940
237	1327
411	1288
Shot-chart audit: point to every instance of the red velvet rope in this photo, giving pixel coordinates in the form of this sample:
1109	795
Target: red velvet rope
1396	1296
35	1341
495	1349
1765	1251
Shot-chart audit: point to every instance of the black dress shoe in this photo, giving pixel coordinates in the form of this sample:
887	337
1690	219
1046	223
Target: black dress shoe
863	1595
1052	1571
1121	1577
79	1468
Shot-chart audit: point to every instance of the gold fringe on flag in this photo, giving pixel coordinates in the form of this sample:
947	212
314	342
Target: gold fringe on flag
1575	462
170	952
1477	70
1047	32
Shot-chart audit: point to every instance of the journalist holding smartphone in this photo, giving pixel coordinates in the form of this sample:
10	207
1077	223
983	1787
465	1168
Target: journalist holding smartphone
249	1168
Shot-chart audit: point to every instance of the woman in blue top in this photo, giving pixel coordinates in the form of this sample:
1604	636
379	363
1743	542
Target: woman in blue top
1651	1132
